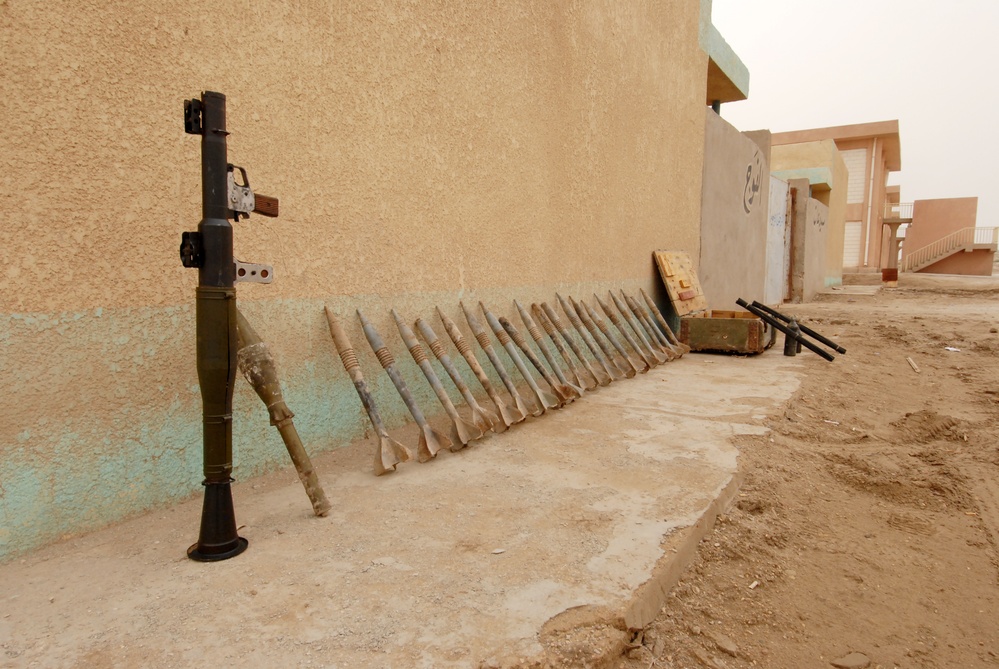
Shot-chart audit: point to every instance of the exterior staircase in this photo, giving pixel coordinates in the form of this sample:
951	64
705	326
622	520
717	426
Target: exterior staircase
966	239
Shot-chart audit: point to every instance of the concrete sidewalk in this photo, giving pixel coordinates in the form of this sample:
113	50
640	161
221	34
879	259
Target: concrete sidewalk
555	537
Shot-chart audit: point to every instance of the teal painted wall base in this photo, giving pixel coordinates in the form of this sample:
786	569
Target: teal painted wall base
102	418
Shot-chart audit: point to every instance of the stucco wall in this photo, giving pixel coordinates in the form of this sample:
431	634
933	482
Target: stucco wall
820	162
935	219
836	225
817	238
776	288
734	204
978	262
422	153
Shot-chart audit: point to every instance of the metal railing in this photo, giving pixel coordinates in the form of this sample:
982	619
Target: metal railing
962	239
898	210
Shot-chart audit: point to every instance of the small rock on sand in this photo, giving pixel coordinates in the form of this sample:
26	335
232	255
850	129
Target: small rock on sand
852	661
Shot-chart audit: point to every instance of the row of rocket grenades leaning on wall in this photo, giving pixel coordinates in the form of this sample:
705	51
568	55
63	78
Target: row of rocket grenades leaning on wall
642	340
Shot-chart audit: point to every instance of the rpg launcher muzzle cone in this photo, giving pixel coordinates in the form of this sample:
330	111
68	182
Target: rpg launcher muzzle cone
217	539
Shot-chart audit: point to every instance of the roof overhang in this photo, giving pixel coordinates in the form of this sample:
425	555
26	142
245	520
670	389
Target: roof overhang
728	76
884	131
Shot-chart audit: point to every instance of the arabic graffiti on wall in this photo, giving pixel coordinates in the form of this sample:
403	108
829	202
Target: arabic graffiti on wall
754	175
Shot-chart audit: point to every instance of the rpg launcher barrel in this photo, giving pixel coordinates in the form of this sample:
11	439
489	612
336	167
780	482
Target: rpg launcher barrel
775	323
210	251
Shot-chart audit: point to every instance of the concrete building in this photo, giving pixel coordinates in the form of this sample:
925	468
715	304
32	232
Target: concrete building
422	154
816	171
869	151
942	237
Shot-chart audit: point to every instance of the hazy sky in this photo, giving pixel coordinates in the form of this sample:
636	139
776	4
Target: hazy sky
932	65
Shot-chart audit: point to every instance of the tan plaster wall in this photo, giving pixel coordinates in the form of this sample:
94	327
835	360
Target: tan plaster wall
821	154
836	230
734	215
935	219
978	262
422	153
413	145
817	238
798	156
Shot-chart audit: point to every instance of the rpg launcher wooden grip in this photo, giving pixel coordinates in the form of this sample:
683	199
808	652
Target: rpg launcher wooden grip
265	205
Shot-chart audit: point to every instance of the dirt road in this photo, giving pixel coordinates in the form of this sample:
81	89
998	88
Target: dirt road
868	525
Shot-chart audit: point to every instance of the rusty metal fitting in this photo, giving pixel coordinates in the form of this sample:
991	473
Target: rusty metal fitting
349	360
435	344
482	338
385	357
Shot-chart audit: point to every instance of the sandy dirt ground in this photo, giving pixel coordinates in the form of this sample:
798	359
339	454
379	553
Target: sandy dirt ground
867	529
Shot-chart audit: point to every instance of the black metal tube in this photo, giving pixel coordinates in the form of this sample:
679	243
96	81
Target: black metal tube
786	330
215	316
804	328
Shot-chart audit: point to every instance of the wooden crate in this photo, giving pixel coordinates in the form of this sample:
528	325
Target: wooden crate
724	331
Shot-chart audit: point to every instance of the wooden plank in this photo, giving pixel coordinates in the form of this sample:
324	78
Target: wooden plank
684	289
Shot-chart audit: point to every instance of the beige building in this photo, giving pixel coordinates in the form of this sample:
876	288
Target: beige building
942	237
423	154
869	152
818	165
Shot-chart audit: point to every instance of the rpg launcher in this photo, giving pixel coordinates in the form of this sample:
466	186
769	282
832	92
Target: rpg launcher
223	197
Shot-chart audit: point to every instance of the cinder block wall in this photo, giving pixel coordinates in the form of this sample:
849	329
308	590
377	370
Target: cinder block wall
422	152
